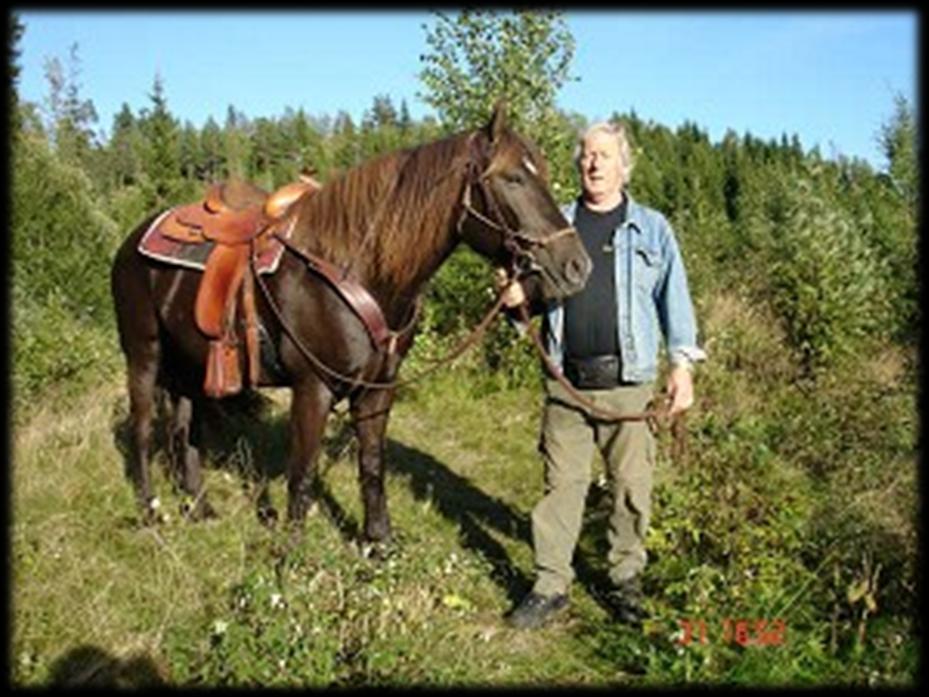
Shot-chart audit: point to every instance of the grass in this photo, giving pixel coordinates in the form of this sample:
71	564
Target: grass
739	530
95	592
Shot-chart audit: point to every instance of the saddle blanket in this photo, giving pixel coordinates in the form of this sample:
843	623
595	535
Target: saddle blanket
193	256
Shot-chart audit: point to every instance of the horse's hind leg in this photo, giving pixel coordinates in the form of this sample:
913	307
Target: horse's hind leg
186	458
309	410
143	371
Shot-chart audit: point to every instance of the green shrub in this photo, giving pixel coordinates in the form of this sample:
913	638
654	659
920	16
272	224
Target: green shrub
62	246
460	295
825	280
52	347
62	242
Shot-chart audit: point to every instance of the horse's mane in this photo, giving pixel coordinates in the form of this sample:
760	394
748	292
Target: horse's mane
393	210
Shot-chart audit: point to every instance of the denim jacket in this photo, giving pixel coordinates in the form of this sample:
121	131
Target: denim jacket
652	287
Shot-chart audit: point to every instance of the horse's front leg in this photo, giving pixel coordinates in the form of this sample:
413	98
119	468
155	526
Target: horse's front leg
370	411
308	412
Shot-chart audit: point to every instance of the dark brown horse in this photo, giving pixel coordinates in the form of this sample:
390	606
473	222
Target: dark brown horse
391	222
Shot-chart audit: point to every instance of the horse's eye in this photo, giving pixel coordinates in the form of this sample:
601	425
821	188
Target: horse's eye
514	178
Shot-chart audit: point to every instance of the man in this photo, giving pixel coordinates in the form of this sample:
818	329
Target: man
605	340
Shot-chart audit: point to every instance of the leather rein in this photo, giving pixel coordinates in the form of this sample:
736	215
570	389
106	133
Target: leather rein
522	262
363	304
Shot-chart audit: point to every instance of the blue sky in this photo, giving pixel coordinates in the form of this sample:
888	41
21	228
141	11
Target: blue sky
828	76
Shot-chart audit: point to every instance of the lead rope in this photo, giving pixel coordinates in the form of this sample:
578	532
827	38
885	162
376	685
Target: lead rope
655	416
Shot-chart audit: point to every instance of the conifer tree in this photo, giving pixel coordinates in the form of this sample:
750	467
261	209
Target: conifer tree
237	144
404	122
307	144
16	35
189	154
161	131
70	118
125	148
345	145
898	142
213	153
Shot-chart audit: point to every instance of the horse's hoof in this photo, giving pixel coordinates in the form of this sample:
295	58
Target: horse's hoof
378	550
267	516
151	513
197	510
297	513
295	533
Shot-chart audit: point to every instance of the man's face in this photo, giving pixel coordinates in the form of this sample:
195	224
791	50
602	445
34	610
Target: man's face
601	170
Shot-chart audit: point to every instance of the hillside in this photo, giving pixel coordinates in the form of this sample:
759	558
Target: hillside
794	501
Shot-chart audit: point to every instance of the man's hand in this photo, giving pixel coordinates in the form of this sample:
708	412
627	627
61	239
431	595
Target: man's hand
680	389
513	295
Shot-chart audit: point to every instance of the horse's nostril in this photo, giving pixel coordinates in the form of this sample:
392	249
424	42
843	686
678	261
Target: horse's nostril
577	270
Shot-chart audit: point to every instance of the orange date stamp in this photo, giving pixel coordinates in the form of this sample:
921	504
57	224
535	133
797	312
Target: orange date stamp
745	632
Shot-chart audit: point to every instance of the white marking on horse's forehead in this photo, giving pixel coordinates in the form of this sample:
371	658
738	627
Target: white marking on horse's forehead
528	164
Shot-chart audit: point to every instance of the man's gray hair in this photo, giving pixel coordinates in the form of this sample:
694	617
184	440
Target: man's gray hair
618	131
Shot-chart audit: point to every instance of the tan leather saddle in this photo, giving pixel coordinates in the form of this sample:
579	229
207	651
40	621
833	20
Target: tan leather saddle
240	219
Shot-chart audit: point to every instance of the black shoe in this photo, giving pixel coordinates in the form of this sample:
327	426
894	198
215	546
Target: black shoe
626	602
536	609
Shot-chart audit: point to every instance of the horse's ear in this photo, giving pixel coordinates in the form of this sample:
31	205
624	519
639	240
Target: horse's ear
497	121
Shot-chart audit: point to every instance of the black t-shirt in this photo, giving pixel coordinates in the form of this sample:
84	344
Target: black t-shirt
590	316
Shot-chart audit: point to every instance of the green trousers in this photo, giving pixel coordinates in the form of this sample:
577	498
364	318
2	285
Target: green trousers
569	438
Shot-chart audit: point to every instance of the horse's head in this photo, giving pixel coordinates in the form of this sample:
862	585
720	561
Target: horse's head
510	217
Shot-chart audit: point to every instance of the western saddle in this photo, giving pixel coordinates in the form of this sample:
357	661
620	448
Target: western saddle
239	218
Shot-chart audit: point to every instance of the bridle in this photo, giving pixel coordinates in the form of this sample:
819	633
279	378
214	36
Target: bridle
522	262
520	246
